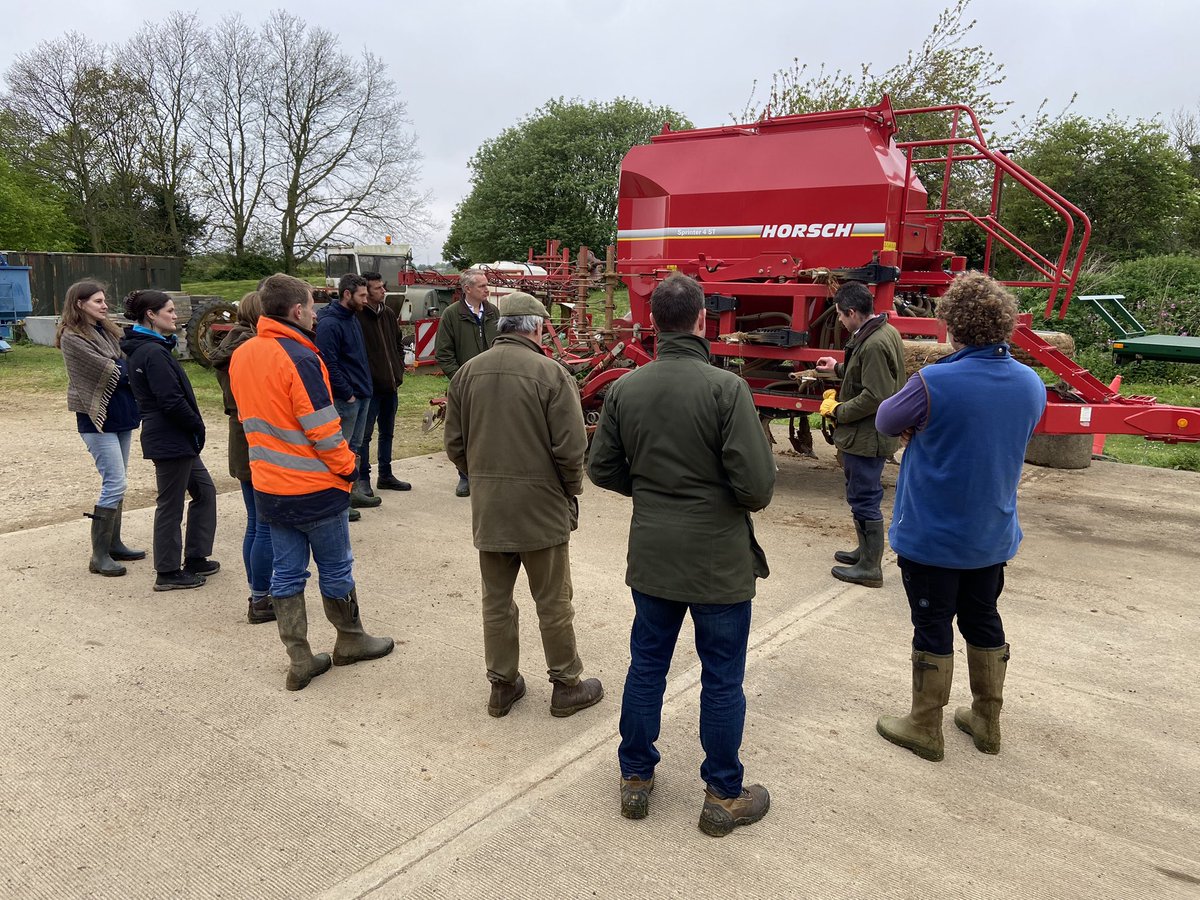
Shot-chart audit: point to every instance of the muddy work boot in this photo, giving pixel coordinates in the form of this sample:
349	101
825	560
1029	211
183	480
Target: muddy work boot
868	571
635	797
260	611
117	548
570	699
723	814
353	644
851	557
361	496
292	619
981	720
101	562
921	730
504	695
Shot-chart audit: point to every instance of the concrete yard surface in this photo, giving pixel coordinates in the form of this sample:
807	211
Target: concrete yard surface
150	749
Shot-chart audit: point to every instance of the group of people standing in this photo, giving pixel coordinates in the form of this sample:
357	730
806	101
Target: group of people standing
679	436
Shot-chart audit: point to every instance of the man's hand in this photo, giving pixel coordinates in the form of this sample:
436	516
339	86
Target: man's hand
829	404
826	364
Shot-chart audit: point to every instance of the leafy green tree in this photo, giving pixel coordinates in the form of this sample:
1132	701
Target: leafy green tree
33	213
554	175
1136	188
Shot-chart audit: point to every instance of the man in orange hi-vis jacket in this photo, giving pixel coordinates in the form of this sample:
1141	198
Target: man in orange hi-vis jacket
302	470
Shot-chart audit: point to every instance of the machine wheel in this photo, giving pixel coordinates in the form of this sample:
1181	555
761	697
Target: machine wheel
202	341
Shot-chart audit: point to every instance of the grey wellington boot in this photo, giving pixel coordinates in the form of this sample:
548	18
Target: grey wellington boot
117	549
921	730
101	562
981	720
868	571
353	644
850	557
292	619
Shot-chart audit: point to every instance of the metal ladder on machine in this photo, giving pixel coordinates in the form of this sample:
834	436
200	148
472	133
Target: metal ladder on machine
1132	343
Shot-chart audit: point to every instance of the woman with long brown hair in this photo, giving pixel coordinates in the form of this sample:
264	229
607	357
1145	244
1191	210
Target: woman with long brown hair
98	393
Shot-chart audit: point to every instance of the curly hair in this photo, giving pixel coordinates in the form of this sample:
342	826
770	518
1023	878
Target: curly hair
978	310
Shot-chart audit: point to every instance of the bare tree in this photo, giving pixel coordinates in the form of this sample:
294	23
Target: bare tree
167	59
231	130
343	159
51	95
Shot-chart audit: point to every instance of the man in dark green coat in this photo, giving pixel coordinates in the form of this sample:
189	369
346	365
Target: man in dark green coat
466	329
873	370
515	427
682	438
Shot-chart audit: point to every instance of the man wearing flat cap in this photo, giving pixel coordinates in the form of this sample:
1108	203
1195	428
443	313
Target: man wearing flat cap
515	427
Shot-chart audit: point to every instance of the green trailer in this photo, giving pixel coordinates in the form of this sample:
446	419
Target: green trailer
1133	344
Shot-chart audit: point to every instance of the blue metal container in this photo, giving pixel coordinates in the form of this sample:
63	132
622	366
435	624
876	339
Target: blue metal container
16	300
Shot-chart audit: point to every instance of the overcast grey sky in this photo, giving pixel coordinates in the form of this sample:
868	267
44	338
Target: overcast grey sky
467	70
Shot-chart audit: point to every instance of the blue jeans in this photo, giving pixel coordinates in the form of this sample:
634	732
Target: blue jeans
256	546
382	411
864	487
329	542
354	421
722	632
111	453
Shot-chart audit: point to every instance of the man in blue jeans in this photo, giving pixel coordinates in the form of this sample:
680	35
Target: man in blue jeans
682	438
344	351
302	469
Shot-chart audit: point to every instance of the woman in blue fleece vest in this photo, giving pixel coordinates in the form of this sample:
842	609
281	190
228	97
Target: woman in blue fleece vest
966	419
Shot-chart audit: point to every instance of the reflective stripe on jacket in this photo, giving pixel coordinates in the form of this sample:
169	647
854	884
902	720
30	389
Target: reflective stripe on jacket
300	464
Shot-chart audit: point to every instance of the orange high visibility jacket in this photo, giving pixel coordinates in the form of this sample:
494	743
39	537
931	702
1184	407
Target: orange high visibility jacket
300	464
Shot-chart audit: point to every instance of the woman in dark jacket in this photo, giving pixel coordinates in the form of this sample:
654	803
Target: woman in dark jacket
172	437
256	544
105	413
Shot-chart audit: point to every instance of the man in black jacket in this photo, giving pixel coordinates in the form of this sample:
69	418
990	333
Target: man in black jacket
340	340
385	356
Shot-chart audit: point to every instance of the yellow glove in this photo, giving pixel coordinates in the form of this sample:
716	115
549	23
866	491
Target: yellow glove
829	404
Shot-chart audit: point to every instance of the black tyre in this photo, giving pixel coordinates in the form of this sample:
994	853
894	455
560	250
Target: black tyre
202	338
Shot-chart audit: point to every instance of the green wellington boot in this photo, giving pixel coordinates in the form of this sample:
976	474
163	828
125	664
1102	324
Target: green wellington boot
981	720
101	562
292	619
353	644
851	557
921	730
117	549
868	571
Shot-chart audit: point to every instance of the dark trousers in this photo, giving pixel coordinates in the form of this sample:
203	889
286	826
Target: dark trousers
864	486
722	632
177	479
937	595
381	411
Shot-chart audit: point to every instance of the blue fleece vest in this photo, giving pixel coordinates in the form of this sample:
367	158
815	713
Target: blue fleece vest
956	497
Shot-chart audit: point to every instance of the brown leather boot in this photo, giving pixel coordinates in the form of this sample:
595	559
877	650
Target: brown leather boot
504	695
260	611
353	644
292	619
570	699
981	720
635	797
723	814
921	730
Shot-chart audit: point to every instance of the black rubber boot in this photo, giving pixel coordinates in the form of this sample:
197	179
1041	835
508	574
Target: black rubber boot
117	549
292	620
868	571
850	557
101	562
353	644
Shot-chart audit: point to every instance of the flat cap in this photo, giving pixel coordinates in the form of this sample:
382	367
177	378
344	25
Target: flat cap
518	303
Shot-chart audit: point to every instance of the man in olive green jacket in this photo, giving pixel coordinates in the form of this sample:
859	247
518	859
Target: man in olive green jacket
515	427
682	438
872	371
467	328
